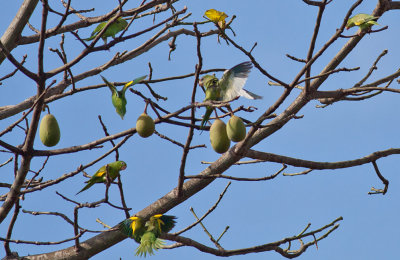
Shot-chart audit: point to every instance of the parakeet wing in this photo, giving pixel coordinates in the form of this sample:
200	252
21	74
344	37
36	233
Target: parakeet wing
133	227
125	227
96	31
113	170
116	27
169	223
233	81
363	18
133	82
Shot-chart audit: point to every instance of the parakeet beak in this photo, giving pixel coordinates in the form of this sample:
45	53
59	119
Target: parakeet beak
201	82
123	167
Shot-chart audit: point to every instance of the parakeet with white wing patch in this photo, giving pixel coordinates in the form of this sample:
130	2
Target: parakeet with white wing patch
228	87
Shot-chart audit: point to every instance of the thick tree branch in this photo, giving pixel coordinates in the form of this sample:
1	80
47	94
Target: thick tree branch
14	30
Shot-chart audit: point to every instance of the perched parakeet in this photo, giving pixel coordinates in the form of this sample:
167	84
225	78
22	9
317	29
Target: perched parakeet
118	96
228	87
112	30
100	176
156	225
133	227
364	21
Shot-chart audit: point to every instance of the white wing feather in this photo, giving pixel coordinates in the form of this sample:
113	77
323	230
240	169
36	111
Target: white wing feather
233	81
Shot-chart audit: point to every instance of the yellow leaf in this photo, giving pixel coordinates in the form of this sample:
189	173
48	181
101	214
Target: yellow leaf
216	16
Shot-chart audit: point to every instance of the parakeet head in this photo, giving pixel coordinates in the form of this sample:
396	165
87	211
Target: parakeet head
122	165
208	80
349	24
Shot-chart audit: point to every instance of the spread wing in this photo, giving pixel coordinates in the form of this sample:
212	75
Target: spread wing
233	80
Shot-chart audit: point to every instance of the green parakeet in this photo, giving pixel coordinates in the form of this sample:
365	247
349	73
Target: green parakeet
100	176
363	21
112	30
228	87
118	96
133	227
156	225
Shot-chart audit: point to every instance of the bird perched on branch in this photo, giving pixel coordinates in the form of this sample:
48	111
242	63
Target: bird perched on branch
228	87
117	26
112	169
364	21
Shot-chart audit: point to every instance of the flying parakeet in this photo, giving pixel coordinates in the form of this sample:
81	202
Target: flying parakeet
112	30
363	21
228	87
133	227
118	96
100	176
156	225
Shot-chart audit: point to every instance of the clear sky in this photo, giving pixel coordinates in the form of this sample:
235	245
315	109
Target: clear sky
257	212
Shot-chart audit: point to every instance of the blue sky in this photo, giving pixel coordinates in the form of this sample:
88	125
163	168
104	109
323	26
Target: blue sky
257	212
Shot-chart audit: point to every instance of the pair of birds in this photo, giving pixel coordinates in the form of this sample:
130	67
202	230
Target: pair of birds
227	88
147	233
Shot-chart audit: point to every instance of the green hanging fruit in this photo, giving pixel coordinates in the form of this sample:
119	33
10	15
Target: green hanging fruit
218	137
236	129
49	131
145	125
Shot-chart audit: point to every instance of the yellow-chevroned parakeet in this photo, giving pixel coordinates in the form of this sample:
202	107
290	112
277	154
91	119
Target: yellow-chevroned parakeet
156	225
117	26
133	227
101	175
364	21
228	87
118	96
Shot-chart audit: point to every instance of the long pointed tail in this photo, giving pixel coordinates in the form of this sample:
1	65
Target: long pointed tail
90	184
249	95
149	245
206	117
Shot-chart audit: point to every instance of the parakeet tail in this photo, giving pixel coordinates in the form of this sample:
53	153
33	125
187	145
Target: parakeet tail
206	117
148	246
250	95
90	184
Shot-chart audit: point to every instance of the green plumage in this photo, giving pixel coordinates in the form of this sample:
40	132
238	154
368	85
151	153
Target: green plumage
228	87
213	92
118	96
117	26
133	227
147	234
148	244
101	175
364	21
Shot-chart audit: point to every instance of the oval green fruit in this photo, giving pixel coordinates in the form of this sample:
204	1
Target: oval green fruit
235	129
218	137
145	125
49	131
